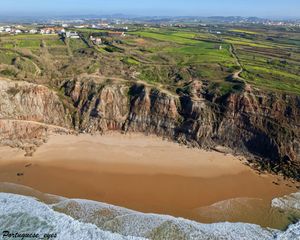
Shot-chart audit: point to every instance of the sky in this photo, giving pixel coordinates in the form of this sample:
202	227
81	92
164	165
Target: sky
259	8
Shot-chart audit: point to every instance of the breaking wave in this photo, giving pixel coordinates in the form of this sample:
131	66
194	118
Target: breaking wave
85	220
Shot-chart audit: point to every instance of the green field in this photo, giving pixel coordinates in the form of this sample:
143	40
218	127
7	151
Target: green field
244	31
169	57
168	37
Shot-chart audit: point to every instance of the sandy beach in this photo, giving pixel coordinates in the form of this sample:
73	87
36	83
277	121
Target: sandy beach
143	173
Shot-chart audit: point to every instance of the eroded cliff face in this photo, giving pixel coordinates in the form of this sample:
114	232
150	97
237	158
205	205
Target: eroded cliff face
263	126
28	113
260	125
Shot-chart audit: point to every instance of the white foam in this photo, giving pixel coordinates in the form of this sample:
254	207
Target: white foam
153	226
90	211
289	202
292	233
91	220
27	215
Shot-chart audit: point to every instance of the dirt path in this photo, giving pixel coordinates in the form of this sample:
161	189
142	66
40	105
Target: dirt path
38	70
236	75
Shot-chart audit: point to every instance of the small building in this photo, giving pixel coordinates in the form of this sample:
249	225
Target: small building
95	40
73	35
17	31
33	31
116	34
47	31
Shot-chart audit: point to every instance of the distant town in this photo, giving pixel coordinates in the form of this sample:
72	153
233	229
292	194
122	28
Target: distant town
113	26
56	28
65	30
122	21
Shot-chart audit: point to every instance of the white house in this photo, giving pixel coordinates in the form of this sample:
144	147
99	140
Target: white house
8	29
33	31
72	35
81	26
45	31
96	41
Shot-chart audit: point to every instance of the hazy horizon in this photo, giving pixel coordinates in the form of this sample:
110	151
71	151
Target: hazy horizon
255	8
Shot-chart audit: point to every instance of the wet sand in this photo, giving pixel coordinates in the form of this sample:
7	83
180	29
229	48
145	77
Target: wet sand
139	172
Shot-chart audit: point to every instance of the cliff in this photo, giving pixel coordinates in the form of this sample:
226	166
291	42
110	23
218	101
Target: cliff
28	113
261	125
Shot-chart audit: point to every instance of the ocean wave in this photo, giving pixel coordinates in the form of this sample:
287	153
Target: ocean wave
289	202
20	214
89	220
250	210
153	226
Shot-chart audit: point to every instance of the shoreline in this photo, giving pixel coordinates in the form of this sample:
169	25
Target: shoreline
143	173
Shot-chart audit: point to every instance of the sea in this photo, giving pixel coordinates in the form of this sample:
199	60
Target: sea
28	214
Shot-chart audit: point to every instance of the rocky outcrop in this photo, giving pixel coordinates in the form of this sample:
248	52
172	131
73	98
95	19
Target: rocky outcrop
151	111
99	107
28	113
260	125
27	135
265	125
31	102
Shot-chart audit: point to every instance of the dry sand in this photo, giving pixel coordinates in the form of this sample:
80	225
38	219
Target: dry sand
139	172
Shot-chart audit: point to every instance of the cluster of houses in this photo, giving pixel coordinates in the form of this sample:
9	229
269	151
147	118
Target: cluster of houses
102	26
56	30
52	30
10	30
46	30
105	37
